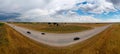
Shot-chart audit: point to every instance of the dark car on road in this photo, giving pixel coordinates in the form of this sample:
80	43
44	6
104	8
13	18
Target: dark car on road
43	33
28	32
76	38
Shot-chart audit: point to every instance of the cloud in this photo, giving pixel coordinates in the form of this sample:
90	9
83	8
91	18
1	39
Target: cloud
58	10
40	12
97	7
21	5
116	3
58	18
93	6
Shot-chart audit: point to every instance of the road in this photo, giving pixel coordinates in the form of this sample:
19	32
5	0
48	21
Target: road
59	40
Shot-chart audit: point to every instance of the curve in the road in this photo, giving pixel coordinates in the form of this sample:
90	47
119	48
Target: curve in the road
59	39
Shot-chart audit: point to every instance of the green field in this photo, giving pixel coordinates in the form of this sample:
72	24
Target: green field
107	42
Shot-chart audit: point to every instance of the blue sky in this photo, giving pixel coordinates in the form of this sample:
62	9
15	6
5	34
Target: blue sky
61	10
104	16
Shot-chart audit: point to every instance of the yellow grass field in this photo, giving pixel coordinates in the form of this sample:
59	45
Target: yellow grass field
107	42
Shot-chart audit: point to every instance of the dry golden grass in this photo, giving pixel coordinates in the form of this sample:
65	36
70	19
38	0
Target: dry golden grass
107	42
91	24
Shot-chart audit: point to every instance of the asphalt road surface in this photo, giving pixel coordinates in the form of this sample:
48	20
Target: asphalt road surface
59	40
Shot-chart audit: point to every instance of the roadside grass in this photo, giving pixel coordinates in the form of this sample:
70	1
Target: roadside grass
1	24
107	42
3	39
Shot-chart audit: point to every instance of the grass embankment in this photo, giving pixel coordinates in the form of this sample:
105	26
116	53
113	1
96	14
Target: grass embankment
107	42
3	38
62	28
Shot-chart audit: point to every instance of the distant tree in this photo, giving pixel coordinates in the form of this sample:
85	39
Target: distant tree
49	24
55	24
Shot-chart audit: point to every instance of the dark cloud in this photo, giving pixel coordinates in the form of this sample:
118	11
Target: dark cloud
8	16
116	3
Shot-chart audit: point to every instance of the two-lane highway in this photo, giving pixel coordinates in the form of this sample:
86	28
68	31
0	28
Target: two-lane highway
59	39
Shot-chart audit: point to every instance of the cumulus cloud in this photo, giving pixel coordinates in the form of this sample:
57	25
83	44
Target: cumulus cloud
40	12
58	18
97	6
58	10
21	5
92	6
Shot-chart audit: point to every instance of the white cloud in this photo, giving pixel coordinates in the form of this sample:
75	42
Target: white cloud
61	4
50	10
21	5
40	12
93	6
98	7
58	18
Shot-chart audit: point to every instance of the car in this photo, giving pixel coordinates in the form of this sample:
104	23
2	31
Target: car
76	38
28	32
43	33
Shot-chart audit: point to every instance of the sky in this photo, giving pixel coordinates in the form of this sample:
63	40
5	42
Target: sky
60	10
